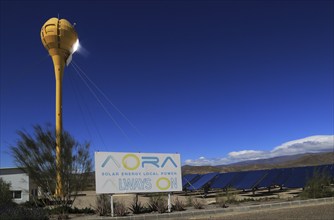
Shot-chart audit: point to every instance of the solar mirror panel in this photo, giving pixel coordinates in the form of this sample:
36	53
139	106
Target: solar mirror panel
299	177
322	168
269	179
195	179
331	170
203	180
238	178
250	180
223	180
284	174
188	179
327	170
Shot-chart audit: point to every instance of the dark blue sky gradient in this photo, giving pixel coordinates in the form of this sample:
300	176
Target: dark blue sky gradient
201	78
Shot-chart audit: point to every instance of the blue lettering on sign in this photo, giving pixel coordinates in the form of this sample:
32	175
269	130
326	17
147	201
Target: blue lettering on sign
110	173
150	174
152	161
173	183
155	161
171	160
126	184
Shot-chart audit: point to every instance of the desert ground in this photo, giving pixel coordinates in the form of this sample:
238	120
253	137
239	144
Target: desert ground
88	198
300	212
313	211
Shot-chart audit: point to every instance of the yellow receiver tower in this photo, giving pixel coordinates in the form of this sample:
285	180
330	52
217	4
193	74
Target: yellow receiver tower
61	40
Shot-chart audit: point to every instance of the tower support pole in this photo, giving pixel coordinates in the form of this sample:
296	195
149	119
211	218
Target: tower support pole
59	65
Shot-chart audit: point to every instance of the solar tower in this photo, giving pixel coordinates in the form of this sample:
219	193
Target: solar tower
60	40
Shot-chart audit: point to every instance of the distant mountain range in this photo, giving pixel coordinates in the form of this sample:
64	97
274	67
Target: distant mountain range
308	159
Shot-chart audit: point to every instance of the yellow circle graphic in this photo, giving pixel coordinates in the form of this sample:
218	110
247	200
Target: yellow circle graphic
158	183
126	166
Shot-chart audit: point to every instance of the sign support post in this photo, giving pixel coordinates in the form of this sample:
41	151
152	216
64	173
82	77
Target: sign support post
169	203
112	205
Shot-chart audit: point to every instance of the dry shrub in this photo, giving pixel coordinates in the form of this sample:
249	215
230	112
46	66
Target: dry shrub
103	205
318	186
231	198
178	205
136	206
157	203
198	204
120	209
189	201
220	201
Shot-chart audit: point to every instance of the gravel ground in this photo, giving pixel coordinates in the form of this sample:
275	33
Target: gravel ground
316	211
302	212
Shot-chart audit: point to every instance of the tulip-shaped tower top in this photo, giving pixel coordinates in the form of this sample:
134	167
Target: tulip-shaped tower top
59	37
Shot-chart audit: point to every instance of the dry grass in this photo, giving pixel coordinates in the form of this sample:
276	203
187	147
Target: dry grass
302	212
89	198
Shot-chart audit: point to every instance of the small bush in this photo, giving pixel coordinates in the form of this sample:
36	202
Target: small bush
120	209
136	206
157	203
162	206
59	210
34	204
20	212
317	187
231	198
198	204
81	211
178	205
153	203
5	194
103	205
189	201
5	208
220	201
252	199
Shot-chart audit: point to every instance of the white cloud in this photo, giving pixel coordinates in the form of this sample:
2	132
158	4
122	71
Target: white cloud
245	154
312	144
198	162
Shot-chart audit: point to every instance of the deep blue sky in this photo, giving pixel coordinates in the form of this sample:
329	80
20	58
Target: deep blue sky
202	78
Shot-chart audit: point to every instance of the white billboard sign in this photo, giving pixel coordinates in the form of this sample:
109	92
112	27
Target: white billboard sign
137	172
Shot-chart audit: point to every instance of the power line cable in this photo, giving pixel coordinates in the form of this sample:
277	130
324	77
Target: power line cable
78	97
106	97
100	102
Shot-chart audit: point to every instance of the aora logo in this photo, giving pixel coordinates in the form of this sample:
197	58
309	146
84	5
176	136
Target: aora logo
132	161
108	159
